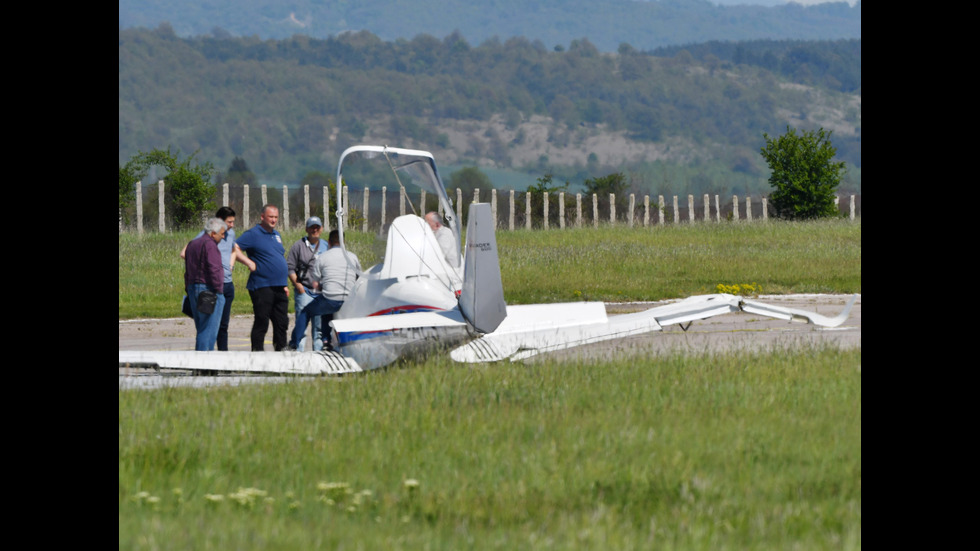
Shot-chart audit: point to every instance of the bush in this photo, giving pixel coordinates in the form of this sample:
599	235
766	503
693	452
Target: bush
803	173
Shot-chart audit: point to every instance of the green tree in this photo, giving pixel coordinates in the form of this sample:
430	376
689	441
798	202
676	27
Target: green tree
467	179
317	180
537	190
239	173
602	186
127	191
188	188
803	173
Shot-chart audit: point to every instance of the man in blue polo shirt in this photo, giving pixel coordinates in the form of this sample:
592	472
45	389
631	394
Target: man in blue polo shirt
268	284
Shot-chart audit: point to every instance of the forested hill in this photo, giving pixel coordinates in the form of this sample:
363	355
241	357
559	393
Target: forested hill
643	24
291	106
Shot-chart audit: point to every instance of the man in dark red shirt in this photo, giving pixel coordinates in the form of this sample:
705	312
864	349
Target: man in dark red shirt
203	271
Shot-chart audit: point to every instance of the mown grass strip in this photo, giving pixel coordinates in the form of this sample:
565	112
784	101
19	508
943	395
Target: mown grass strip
605	264
759	450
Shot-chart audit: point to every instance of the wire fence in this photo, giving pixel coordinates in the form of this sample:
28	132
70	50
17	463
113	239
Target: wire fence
373	209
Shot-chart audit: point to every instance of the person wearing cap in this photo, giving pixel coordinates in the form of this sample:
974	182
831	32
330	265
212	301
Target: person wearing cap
301	257
334	274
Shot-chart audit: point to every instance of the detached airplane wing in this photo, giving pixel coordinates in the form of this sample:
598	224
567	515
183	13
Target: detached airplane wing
286	362
531	330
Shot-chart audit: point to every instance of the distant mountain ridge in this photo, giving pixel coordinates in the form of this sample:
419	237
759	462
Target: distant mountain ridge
644	25
291	106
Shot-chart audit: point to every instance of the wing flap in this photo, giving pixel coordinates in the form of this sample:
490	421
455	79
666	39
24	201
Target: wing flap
795	314
442	318
533	329
694	308
294	363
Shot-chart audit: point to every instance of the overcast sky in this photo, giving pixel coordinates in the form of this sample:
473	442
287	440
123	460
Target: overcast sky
775	2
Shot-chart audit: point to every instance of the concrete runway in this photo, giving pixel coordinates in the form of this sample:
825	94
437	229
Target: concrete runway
730	332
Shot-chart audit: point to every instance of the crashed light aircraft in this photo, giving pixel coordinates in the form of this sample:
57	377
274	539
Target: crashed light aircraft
416	302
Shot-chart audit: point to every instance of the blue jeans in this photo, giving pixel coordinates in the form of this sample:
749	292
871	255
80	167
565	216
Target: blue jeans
226	316
206	324
322	306
298	338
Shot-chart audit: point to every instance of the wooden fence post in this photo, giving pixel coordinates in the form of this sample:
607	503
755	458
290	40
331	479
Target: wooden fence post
511	220
160	218
646	211
306	204
735	207
493	207
345	197
224	194
384	200
365	210
401	200
717	208
595	210
612	208
707	208
748	207
561	210
852	207
326	209
139	208
765	208
629	214
459	205
527	210
265	196
677	212
578	210
245	208
544	194
284	219
662	209
690	208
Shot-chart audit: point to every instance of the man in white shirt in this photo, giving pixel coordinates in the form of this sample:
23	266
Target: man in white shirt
445	238
333	278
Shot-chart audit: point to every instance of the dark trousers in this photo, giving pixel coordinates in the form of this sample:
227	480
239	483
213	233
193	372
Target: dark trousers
269	304
226	316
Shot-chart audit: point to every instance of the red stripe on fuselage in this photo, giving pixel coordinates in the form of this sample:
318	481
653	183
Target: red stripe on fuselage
405	309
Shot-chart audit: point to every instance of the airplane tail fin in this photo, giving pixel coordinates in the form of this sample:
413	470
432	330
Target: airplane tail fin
482	298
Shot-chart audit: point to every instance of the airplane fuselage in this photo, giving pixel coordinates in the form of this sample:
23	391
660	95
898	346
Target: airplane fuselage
374	296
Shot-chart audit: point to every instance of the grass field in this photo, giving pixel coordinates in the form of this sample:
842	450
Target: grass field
607	264
726	451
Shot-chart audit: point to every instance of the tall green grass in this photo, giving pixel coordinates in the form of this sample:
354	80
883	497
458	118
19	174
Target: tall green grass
608	263
749	451
619	263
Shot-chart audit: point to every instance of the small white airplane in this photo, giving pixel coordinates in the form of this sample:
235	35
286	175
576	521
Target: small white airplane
416	302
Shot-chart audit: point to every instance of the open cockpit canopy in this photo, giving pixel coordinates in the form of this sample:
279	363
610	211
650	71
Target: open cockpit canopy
374	167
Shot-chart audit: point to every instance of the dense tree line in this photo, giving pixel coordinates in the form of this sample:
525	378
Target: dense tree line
646	24
276	102
831	64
